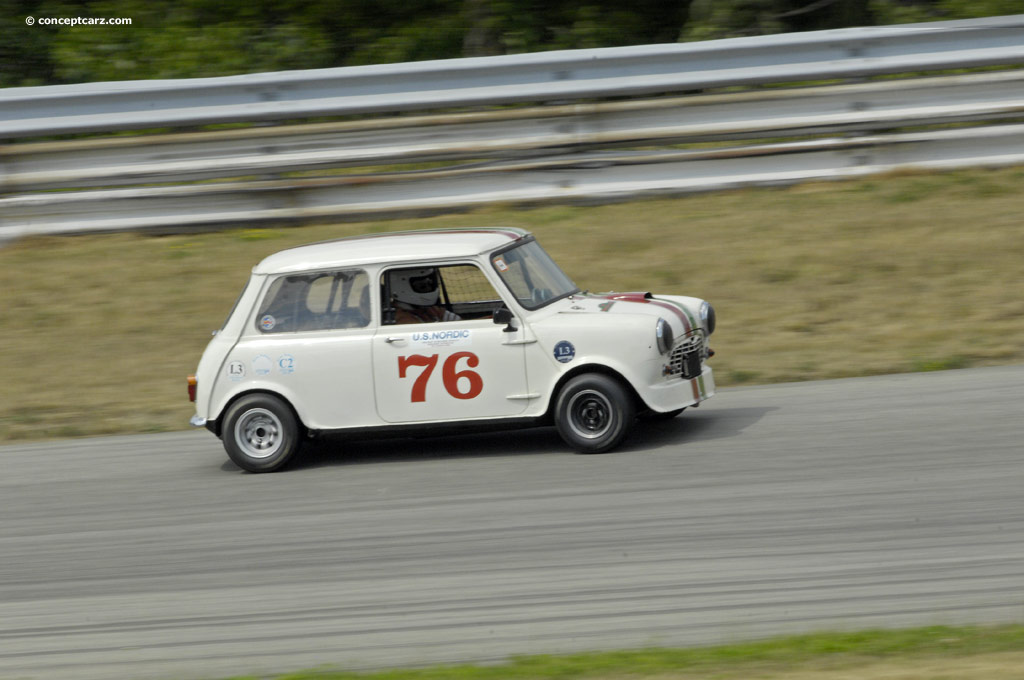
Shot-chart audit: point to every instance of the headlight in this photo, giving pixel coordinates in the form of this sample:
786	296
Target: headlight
707	317
663	332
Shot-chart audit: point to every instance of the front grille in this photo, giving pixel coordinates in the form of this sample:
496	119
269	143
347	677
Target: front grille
687	355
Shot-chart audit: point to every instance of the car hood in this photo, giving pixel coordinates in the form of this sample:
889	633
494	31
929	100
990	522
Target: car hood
682	312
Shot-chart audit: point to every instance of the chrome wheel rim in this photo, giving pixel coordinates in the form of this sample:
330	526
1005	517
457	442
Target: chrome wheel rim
591	414
259	433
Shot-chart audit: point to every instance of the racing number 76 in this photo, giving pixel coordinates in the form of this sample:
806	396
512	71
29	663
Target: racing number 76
449	374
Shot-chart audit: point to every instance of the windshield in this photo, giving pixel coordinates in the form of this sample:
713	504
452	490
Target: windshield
532	276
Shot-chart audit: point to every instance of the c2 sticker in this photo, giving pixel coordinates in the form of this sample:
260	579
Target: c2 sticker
565	352
268	322
286	364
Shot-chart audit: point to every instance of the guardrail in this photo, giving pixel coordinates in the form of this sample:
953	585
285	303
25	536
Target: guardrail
561	152
188	157
546	76
560	178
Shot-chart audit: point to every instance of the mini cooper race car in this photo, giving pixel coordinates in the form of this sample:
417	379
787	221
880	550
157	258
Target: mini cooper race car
420	331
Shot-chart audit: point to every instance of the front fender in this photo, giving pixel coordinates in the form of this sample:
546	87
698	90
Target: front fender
622	345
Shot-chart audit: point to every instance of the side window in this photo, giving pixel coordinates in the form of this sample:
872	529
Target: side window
465	286
316	301
434	294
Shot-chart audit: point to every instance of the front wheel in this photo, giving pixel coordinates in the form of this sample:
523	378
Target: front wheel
261	434
594	413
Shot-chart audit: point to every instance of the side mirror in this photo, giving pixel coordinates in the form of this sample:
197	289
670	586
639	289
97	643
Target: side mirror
503	315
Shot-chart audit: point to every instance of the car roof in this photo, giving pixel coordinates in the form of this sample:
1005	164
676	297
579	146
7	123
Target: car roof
390	248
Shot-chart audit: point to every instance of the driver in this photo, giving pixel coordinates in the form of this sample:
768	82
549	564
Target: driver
415	295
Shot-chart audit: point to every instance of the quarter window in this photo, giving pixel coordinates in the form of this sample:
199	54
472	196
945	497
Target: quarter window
316	301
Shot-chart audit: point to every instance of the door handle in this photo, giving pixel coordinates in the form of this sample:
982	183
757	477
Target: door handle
392	339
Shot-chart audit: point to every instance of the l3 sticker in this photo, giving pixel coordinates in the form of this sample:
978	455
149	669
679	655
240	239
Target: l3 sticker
565	352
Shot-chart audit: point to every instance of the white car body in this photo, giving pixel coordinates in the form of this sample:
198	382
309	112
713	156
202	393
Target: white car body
350	368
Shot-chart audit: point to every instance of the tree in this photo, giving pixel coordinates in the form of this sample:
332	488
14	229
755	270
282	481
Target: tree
734	18
24	50
194	38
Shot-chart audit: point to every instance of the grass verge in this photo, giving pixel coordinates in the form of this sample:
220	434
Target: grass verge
934	653
906	272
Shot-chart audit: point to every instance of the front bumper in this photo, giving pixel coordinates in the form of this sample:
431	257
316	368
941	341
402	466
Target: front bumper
679	392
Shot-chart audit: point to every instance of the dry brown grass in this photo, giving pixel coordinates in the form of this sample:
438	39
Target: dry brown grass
1002	666
900	273
1007	666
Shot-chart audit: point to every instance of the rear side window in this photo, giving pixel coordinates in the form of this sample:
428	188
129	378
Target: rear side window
315	302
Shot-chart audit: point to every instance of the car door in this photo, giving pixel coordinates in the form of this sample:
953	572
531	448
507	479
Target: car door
311	342
462	366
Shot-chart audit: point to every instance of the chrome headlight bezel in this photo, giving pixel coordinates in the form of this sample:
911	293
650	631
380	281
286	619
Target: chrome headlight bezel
664	336
707	317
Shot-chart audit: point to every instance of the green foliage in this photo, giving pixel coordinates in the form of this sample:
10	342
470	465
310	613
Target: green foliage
959	9
192	39
197	38
710	19
896	12
944	364
24	50
806	653
913	11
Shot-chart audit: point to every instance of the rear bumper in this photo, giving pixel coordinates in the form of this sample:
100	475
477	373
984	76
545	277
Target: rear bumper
211	425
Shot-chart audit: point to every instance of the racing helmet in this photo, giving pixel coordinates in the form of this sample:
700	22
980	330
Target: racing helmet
415	286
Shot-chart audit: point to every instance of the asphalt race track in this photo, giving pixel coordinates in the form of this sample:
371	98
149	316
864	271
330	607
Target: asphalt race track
886	501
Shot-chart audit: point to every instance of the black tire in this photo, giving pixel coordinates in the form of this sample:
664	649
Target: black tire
261	434
594	413
657	416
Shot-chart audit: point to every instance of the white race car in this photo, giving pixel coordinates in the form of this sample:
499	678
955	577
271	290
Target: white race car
426	330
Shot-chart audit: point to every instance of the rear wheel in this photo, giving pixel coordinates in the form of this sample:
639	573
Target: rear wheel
594	413
261	434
